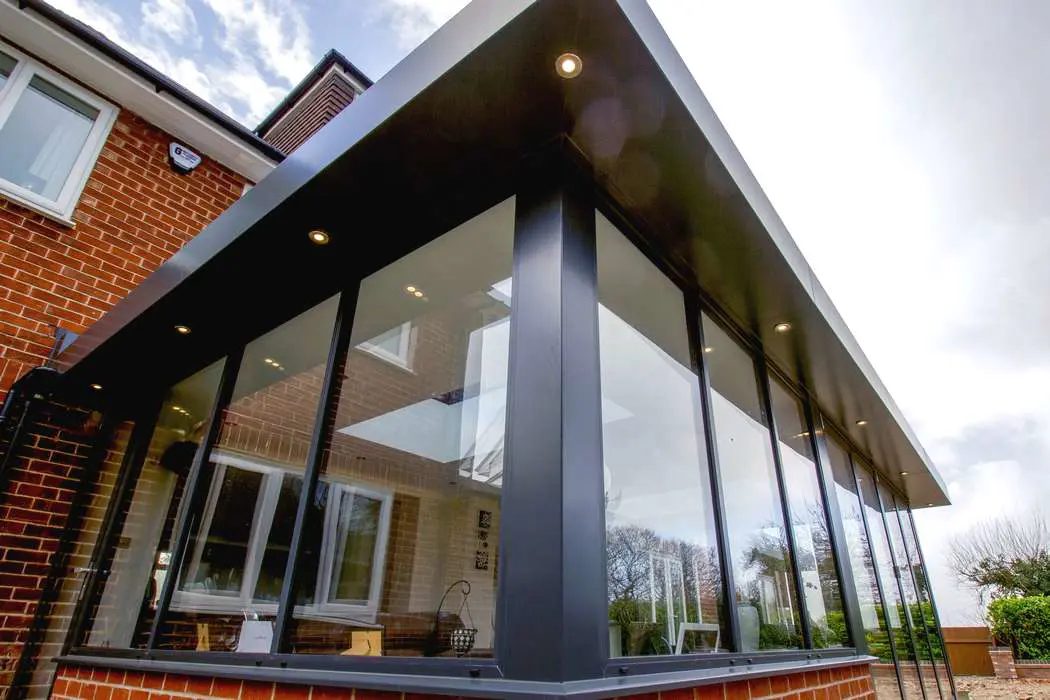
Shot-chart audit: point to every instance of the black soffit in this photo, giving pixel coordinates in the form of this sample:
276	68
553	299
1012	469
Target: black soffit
440	138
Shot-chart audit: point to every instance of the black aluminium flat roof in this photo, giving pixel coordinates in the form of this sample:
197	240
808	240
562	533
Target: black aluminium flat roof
468	103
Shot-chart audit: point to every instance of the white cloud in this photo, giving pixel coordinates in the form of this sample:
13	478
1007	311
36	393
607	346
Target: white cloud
273	33
412	21
173	18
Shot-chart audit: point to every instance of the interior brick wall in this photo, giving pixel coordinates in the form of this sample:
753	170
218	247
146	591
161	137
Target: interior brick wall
842	683
135	213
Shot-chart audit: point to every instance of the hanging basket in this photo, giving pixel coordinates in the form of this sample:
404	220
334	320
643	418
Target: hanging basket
462	640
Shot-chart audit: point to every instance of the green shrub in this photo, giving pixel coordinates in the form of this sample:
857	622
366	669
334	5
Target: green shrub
1024	624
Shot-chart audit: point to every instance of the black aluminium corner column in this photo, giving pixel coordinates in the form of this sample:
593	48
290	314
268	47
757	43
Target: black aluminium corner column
725	557
765	390
323	424
191	491
552	615
836	531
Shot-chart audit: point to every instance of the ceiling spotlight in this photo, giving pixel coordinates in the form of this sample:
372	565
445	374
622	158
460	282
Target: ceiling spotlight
270	361
782	327
929	505
709	349
861	423
319	237
176	408
904	473
183	330
96	387
568	65
417	294
410	289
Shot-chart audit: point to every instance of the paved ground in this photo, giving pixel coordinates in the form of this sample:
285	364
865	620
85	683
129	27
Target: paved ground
981	688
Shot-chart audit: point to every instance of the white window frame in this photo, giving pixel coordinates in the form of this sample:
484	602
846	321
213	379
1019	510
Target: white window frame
404	348
17	83
266	502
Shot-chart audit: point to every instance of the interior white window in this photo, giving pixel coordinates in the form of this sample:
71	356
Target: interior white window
237	567
51	132
393	346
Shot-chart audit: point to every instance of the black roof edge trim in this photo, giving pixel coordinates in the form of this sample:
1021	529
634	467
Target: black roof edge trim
161	82
331	58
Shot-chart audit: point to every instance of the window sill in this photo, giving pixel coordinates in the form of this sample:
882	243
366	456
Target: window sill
37	209
338	673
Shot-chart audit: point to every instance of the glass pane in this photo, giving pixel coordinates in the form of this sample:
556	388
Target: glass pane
809	523
400	547
243	513
663	572
919	608
7	65
863	568
764	575
42	138
85	537
934	634
894	603
137	561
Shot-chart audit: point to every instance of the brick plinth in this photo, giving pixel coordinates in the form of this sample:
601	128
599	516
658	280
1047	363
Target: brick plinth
844	683
1003	662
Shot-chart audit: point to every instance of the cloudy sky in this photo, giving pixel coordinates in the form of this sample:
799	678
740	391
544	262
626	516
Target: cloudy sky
903	143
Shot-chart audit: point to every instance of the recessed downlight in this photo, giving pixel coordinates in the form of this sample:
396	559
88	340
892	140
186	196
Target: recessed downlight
861	423
782	327
319	237
96	387
709	349
904	473
568	65
410	289
183	330
417	294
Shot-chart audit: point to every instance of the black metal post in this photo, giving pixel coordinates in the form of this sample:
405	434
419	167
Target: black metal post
323	425
836	531
725	554
933	604
553	602
767	405
906	618
190	494
105	543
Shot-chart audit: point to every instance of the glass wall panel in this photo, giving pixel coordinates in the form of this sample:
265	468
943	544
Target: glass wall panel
664	581
137	561
764	578
918	607
82	556
814	555
400	548
244	508
894	603
933	630
862	565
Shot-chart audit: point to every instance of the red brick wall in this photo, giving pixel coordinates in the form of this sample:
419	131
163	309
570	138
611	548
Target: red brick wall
134	213
845	683
34	514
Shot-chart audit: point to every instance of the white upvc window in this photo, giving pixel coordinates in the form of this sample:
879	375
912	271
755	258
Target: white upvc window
394	346
51	132
228	572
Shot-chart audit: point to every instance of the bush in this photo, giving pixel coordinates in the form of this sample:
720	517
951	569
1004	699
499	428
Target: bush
1024	624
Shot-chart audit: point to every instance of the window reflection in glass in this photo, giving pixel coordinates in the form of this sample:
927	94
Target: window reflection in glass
234	564
913	609
664	579
764	576
862	565
137	563
814	555
7	65
408	503
43	136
